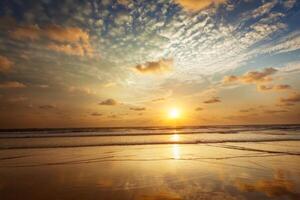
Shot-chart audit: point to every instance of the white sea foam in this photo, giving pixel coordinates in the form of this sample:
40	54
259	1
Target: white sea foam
60	138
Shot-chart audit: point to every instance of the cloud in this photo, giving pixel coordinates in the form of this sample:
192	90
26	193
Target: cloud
282	87
123	18
252	77
292	67
292	98
197	5
158	99
289	4
159	66
230	79
284	104
70	49
66	34
78	42
96	114
68	40
291	42
44	86
5	64
113	116
11	84
124	2
259	78
138	109
47	107
17	99
109	84
53	32
264	9
212	100
81	90
260	31
31	32
108	102
247	110
198	109
274	111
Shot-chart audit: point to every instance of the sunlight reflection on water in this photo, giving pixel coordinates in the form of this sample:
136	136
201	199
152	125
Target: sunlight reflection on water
175	138
176	151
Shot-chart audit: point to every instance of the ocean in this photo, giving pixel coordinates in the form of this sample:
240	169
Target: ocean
151	163
84	137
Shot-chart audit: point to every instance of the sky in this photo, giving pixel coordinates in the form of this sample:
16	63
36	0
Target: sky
128	62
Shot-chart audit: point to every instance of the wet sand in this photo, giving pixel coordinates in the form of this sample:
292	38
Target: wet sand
248	170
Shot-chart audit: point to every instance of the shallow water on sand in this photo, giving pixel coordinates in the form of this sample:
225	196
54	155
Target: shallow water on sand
236	169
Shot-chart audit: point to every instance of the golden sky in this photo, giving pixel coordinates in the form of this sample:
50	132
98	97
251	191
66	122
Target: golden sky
131	63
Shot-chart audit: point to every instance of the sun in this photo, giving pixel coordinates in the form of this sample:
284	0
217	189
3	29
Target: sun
174	113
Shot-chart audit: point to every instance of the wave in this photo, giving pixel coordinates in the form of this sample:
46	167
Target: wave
68	145
104	132
89	137
107	134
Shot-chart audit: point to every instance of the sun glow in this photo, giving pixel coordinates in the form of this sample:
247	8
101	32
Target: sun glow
174	113
175	138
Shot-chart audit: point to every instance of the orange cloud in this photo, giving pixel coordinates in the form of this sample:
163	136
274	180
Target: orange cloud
68	40
158	99
138	109
124	2
159	66
17	99
96	114
53	32
292	98
82	90
282	87
197	5
212	100
198	109
78	40
12	84
67	49
66	34
264	88
108	102
247	110
230	79
252	77
5	64
72	49
47	107
264	76
31	32
274	111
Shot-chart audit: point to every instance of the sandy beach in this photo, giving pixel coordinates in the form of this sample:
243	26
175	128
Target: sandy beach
227	170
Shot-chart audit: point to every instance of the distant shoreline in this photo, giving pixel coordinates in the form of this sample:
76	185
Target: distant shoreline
144	127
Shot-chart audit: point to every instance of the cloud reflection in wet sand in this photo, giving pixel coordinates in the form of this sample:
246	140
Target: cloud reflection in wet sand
152	172
278	186
160	196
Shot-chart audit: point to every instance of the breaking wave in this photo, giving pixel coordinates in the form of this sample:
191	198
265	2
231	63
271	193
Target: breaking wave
89	137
